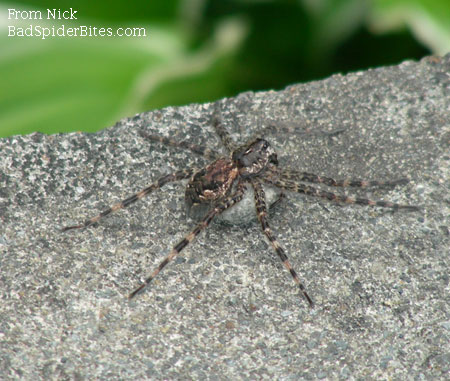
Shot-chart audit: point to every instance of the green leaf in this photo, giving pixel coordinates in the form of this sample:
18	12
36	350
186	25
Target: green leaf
61	84
429	20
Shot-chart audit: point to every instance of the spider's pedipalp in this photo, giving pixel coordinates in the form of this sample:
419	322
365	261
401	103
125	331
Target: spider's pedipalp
311	191
261	211
222	206
207	153
179	175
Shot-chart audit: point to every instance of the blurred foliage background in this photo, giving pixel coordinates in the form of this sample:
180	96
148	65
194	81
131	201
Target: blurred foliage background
196	51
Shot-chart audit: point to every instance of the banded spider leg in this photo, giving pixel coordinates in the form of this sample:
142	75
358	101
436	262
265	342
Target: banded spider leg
179	175
216	210
289	180
261	211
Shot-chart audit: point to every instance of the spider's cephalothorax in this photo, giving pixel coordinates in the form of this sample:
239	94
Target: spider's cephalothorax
218	179
254	158
222	184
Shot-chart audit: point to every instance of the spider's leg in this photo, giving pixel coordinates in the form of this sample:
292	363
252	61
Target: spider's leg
221	131
261	210
200	150
225	204
289	130
292	174
179	175
311	191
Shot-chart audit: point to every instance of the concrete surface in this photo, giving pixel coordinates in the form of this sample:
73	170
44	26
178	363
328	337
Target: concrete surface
226	308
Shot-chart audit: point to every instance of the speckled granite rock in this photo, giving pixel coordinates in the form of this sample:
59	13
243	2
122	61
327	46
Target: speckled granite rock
226	308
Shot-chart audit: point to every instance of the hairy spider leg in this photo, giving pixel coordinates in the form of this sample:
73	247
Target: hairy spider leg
198	149
218	209
311	191
222	132
287	131
261	210
179	175
292	174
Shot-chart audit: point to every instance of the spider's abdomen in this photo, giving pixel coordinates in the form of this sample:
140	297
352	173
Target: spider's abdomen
209	185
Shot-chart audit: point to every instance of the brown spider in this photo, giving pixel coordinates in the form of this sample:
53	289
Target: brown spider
222	184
